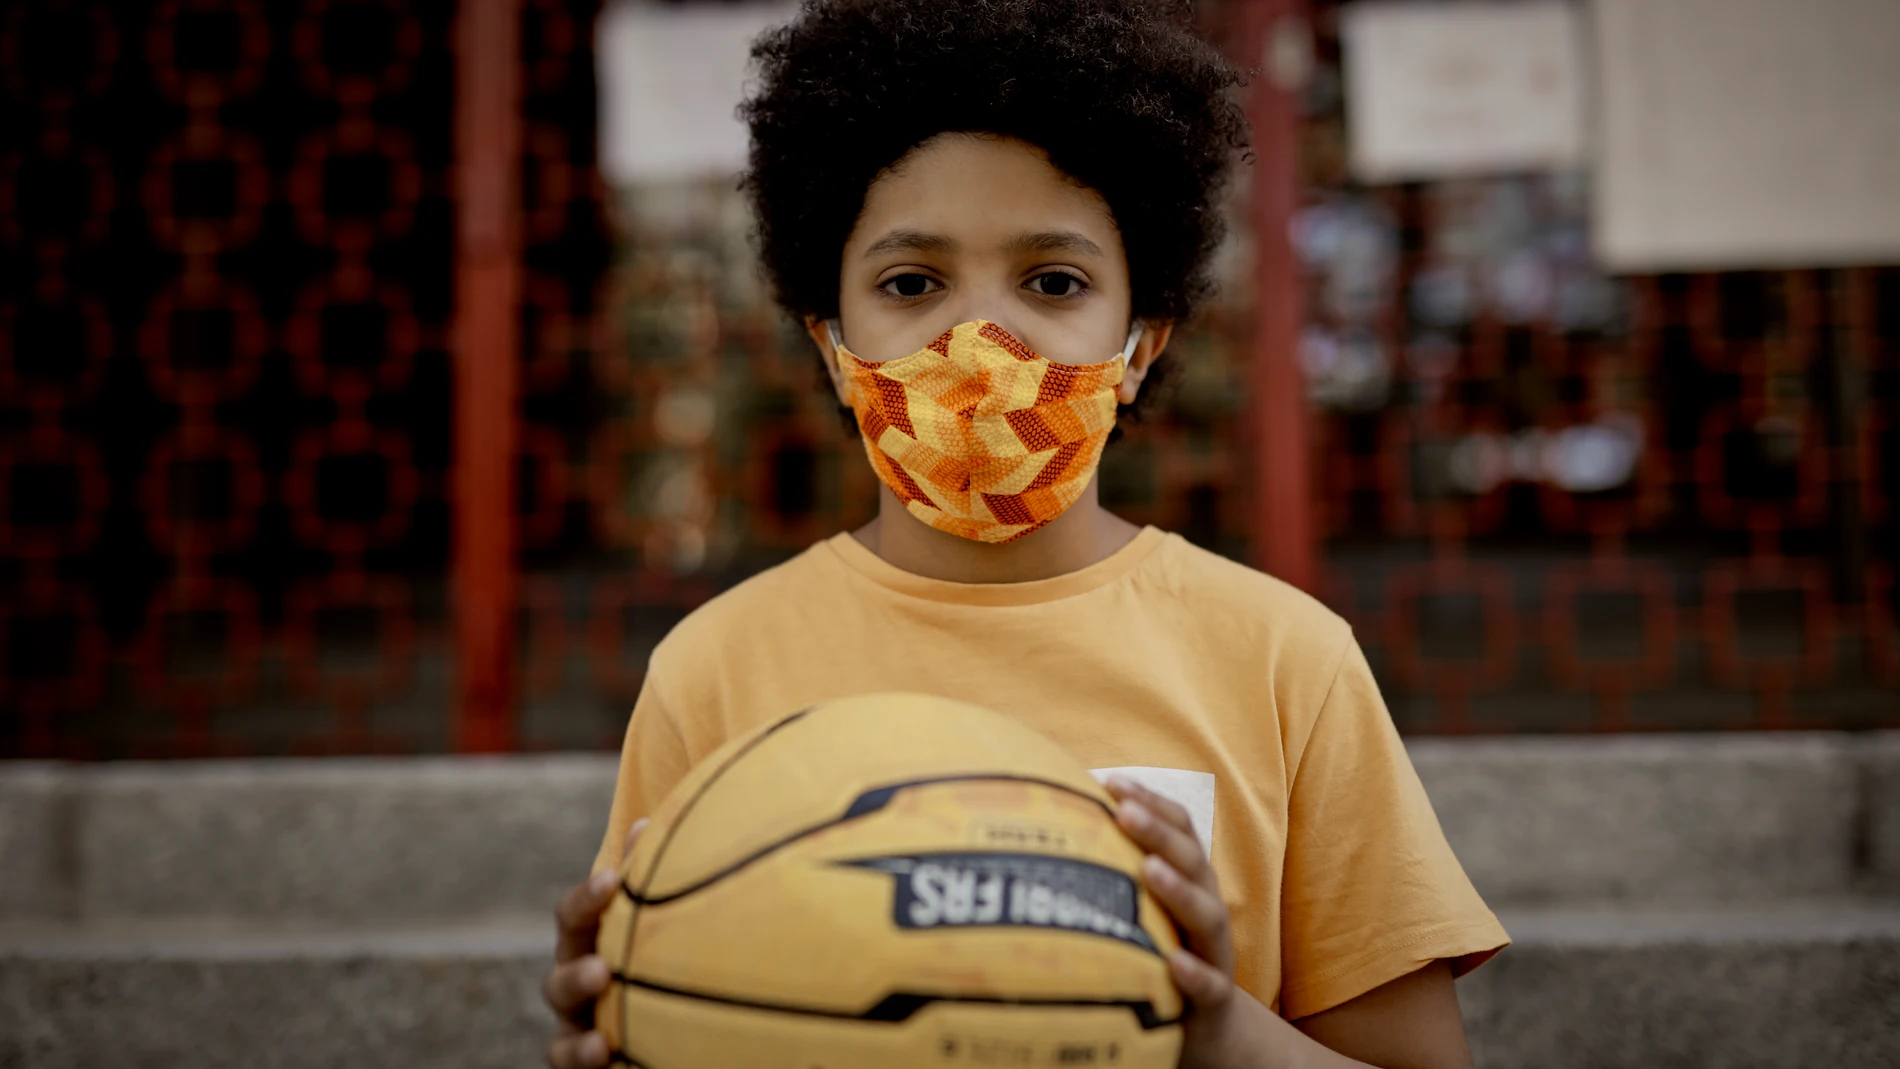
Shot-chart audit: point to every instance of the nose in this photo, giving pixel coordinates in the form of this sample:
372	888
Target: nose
989	303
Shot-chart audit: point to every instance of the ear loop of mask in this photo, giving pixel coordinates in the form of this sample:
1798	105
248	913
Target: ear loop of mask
1127	354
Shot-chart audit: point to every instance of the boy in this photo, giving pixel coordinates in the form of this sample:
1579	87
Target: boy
989	216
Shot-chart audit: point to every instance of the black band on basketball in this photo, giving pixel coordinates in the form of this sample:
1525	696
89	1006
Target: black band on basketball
903	1005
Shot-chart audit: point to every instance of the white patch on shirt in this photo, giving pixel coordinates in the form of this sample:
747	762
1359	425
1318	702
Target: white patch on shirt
1192	791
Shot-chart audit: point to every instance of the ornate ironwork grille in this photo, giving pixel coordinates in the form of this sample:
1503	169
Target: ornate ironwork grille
1554	500
1548	500
226	236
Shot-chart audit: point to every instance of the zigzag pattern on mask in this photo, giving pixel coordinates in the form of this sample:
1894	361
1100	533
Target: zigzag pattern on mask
978	435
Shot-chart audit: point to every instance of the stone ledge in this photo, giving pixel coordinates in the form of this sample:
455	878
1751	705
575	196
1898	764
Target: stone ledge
1880	759
1646	819
36	833
1662	818
339	839
1810	985
283	1000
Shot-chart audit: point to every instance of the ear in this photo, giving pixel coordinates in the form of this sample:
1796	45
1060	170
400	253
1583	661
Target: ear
1154	338
821	337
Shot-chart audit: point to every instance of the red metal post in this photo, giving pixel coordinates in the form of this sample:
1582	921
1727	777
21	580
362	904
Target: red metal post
487	294
1284	538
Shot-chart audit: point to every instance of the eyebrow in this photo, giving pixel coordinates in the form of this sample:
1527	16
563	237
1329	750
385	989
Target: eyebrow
915	240
1036	241
1054	241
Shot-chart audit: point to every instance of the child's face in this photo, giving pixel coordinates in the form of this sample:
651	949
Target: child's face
981	227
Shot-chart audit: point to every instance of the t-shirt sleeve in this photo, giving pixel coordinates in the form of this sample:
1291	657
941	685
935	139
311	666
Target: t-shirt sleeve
652	759
1372	890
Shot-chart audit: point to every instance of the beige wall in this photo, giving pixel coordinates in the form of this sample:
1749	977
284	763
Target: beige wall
1748	133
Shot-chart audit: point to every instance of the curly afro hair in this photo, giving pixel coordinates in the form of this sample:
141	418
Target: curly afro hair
1120	94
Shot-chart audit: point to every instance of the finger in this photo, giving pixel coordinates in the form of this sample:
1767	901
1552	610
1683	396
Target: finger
1199	912
1175	844
1168	812
583	1050
1205	986
578	916
572	988
632	834
1167	808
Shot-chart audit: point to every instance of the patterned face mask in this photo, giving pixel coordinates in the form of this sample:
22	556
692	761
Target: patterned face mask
977	435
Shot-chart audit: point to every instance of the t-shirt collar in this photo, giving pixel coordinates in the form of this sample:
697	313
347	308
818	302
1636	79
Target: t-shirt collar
852	553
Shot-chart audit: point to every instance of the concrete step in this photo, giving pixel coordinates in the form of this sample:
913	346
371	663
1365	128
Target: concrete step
1656	819
1669	818
1791	986
1806	985
207	996
342	839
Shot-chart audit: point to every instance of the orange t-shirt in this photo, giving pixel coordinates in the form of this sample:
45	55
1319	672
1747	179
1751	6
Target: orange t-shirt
1227	690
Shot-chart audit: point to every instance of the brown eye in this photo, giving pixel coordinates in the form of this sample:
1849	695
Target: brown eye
1057	284
911	285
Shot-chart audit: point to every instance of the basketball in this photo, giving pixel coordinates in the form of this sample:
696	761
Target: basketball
889	881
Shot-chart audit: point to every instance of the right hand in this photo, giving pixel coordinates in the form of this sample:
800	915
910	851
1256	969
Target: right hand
579	975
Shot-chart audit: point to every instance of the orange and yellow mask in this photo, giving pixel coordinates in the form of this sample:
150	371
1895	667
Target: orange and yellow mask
979	436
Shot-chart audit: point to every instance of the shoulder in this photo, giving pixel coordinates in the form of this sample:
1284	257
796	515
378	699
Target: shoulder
1250	628
742	610
1253	604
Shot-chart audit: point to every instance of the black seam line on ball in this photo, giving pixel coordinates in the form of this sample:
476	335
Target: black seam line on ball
869	802
653	866
902	1006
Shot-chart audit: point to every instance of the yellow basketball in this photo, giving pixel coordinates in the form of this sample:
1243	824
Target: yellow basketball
891	881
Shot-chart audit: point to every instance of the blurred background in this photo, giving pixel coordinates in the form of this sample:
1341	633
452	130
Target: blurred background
374	381
380	381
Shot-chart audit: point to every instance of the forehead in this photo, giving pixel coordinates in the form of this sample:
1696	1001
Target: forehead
973	186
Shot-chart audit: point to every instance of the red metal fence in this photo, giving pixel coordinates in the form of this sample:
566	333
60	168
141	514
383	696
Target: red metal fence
295	303
1555	500
228	288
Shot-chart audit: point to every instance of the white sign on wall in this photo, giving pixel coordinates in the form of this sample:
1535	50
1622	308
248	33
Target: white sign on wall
1748	133
670	78
1447	89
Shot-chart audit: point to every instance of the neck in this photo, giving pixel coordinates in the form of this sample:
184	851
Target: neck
1081	536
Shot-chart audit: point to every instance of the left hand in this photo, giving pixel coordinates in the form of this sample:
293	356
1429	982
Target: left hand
1221	1029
